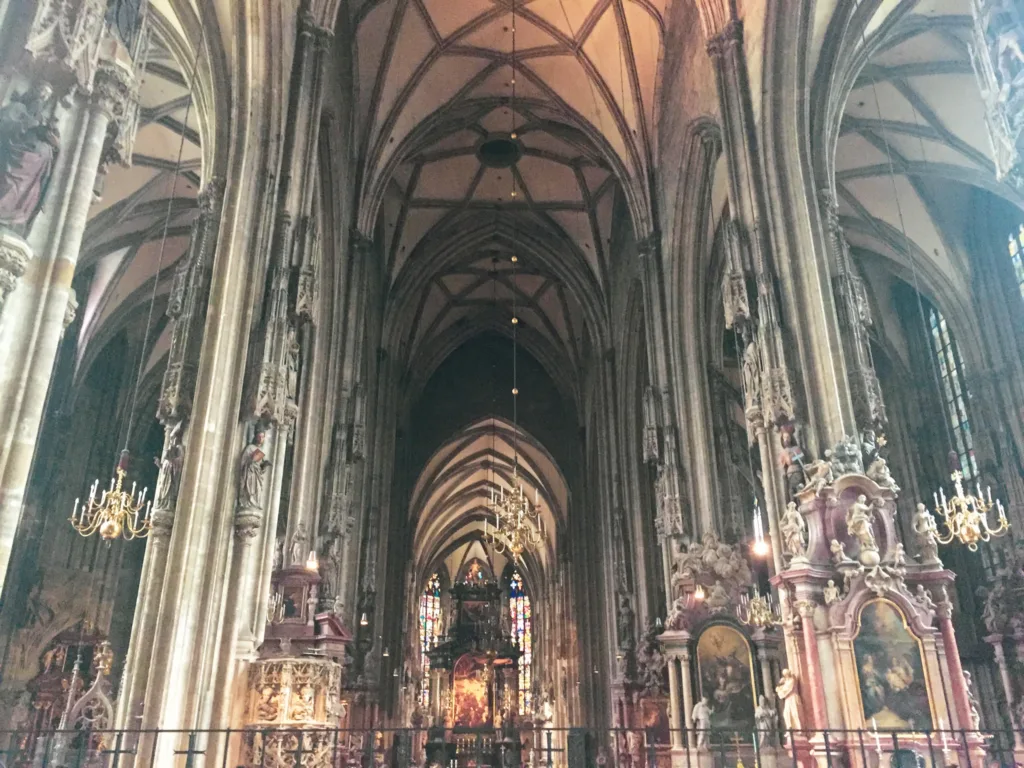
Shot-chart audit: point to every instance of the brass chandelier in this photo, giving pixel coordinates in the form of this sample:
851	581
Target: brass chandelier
758	611
116	512
517	522
966	515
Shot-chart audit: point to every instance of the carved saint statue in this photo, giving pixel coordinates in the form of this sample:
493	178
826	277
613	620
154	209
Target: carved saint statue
294	354
298	548
794	532
924	598
831	593
765	722
254	466
701	717
859	525
166	490
925	532
29	144
792	461
751	377
787	692
624	622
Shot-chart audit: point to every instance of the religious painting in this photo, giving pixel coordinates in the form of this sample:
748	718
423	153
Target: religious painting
471	701
726	674
890	671
654	714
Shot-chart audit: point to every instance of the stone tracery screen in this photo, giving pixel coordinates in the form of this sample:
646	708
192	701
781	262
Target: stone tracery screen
522	630
430	628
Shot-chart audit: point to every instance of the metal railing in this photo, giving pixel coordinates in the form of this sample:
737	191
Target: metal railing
522	747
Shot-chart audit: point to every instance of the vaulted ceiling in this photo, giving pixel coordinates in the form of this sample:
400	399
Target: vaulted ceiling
124	246
435	82
915	117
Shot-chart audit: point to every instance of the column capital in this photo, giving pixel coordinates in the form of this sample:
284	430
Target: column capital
728	36
14	257
321	37
248	522
116	94
805	608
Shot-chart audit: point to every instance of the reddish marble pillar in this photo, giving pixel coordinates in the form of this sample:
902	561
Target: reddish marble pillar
812	685
956	670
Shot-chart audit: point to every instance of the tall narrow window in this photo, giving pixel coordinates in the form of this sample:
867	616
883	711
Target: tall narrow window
1017	257
519	606
954	391
430	628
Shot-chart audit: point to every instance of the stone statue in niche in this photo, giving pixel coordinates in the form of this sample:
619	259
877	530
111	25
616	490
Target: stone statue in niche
792	460
254	465
794	532
751	377
677	616
924	598
624	622
298	549
925	532
831	593
859	526
787	692
765	722
29	145
292	364
166	491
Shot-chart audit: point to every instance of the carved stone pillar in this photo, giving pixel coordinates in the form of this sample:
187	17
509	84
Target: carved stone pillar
33	318
811	684
675	704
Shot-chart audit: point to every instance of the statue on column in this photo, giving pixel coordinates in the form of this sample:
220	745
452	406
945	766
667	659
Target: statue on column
925	532
29	144
166	491
765	722
794	532
298	545
254	465
859	526
787	692
624	621
792	460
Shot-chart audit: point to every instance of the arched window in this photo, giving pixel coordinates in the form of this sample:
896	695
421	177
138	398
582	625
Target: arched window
954	391
1017	257
522	631
430	628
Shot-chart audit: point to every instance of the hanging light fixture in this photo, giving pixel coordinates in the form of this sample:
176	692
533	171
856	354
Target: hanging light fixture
965	515
758	611
760	546
117	512
518	523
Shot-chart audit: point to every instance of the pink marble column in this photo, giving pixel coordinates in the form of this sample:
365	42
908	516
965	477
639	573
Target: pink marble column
956	670
811	684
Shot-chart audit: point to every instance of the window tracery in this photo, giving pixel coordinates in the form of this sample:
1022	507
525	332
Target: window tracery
954	391
430	628
522	631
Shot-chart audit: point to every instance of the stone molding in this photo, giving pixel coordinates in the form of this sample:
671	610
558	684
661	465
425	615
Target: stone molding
66	37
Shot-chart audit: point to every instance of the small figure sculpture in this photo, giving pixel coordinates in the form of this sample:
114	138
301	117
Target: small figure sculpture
294	352
924	597
845	457
899	557
972	700
624	623
718	598
791	459
677	616
794	532
765	722
635	745
925	532
838	552
819	474
701	716
278	553
29	144
859	525
166	490
787	692
878	470
831	593
298	547
254	466
751	378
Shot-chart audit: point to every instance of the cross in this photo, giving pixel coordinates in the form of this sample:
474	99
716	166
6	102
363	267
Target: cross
117	751
736	743
189	753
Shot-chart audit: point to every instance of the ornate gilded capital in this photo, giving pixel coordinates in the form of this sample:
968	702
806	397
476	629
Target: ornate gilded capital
14	256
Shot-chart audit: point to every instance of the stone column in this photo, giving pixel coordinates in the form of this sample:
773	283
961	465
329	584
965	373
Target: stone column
766	671
33	318
687	685
961	702
996	641
675	713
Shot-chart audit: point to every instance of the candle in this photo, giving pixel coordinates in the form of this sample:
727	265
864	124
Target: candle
878	740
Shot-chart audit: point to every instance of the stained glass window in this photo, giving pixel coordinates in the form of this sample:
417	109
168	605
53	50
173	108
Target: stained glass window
430	628
1017	256
954	391
522	618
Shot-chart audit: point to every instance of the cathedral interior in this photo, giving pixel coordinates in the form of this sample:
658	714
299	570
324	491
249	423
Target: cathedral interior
470	383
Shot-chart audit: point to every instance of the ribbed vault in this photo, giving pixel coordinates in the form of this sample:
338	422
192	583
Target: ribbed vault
121	250
451	498
916	104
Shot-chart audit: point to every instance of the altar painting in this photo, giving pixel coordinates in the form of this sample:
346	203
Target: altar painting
726	678
471	695
890	672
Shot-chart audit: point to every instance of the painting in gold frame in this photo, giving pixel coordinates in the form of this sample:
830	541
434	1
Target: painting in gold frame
890	669
726	672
